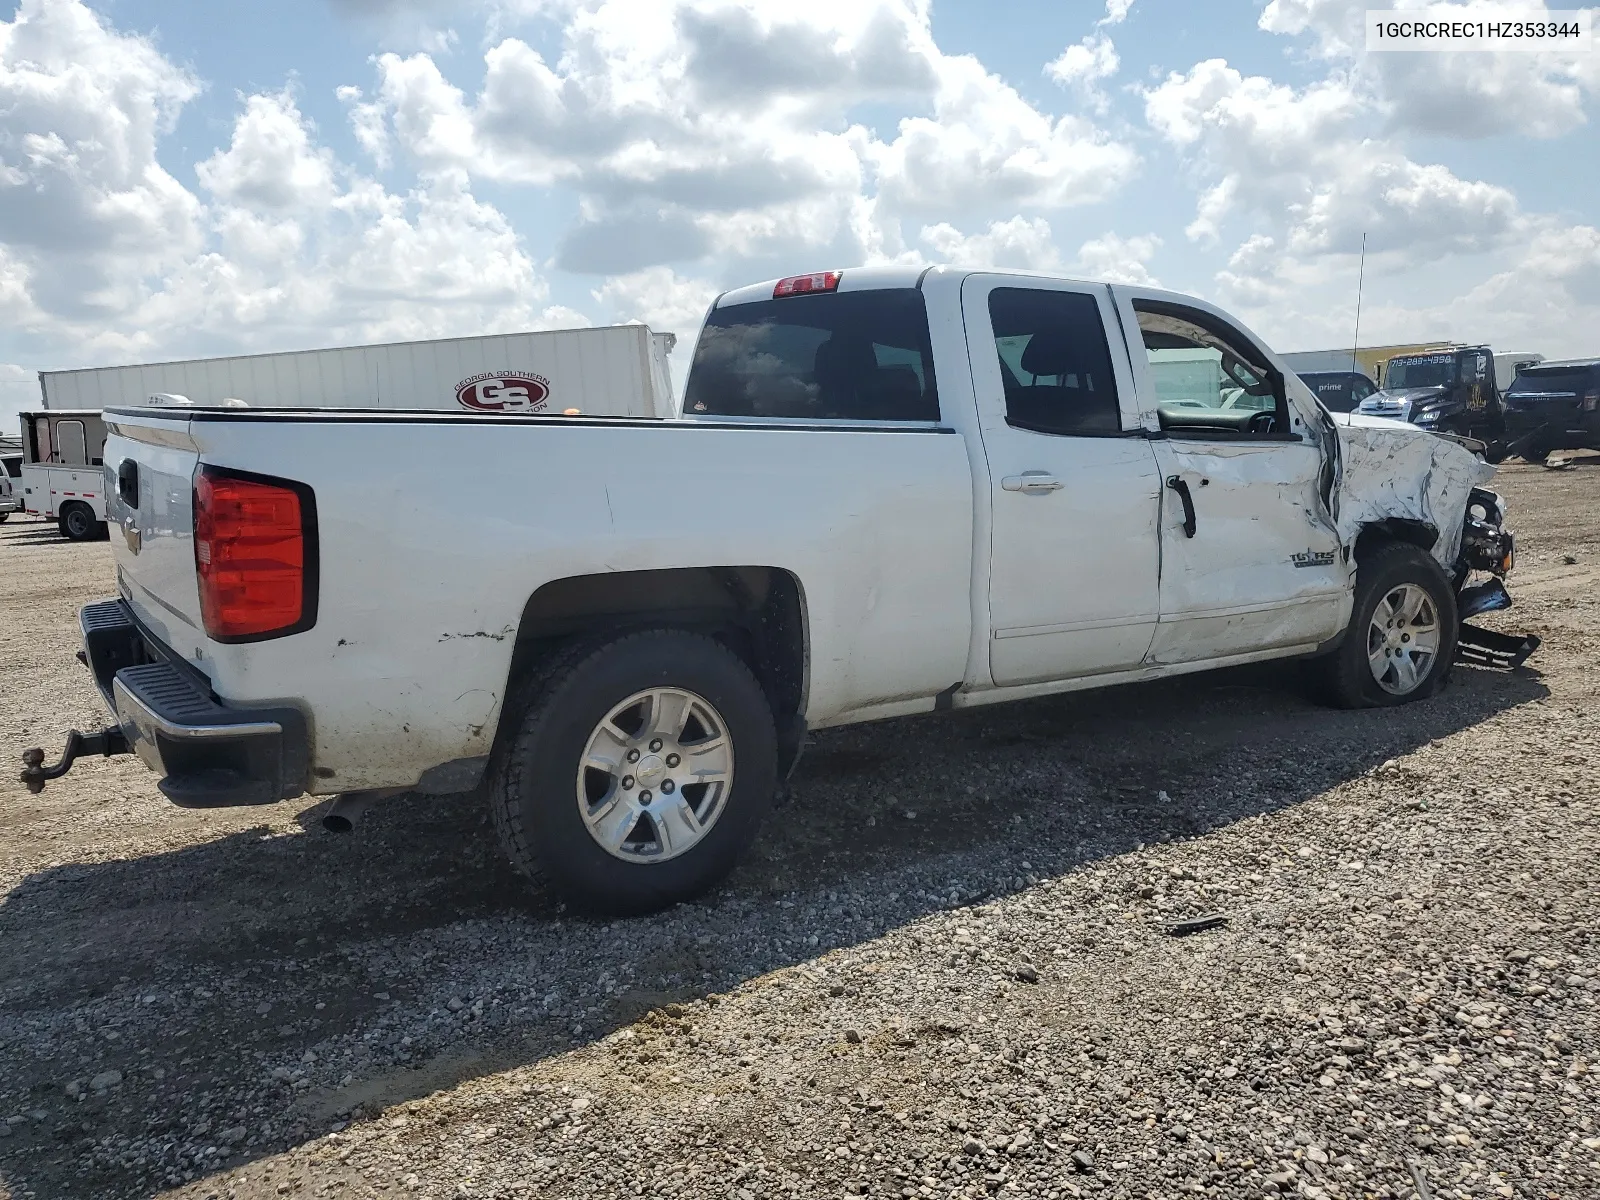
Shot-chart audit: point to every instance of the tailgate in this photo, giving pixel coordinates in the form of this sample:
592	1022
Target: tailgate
150	463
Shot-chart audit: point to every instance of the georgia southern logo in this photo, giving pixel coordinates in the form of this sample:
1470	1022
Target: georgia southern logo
504	391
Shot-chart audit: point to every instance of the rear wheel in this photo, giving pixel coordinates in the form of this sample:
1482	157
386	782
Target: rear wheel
77	522
636	770
1536	454
1402	634
4	517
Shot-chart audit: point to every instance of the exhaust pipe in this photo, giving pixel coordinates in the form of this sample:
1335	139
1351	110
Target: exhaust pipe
350	807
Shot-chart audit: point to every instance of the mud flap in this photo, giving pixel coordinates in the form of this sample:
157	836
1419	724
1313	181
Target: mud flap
1487	648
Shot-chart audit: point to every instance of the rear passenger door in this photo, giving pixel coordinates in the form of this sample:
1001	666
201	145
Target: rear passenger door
1074	486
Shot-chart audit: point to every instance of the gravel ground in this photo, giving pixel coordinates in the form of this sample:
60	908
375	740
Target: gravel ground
946	970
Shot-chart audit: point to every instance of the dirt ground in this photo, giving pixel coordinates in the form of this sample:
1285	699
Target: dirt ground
946	970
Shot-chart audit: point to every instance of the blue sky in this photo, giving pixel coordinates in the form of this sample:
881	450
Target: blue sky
181	178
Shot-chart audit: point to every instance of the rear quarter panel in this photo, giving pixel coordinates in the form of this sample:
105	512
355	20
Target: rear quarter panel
421	589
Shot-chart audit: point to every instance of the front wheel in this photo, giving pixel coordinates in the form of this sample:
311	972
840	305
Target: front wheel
1402	634
636	770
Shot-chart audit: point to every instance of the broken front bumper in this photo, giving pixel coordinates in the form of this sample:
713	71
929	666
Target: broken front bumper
209	753
1487	546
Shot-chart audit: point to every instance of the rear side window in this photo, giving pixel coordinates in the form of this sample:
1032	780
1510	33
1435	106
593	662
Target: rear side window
13	467
850	356
1054	361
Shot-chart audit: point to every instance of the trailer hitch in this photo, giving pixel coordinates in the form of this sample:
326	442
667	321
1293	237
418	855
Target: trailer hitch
105	743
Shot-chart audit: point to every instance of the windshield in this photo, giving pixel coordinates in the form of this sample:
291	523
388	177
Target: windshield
1422	370
1338	391
1533	382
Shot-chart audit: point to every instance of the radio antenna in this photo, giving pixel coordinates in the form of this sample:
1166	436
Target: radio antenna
1361	280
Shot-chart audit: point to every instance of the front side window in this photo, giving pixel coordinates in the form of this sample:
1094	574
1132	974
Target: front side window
855	356
1208	381
1055	364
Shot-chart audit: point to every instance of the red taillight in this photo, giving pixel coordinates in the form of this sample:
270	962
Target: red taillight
255	554
801	285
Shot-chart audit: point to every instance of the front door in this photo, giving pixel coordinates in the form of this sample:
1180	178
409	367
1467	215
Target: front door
1250	559
1074	488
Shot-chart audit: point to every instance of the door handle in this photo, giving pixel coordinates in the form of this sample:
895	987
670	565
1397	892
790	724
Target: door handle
128	482
1177	484
1033	483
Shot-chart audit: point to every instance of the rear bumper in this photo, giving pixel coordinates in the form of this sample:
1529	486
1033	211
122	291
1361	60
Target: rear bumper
10	504
209	753
1567	428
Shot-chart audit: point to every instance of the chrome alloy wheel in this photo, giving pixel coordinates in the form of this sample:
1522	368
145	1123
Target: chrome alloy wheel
1403	639
655	775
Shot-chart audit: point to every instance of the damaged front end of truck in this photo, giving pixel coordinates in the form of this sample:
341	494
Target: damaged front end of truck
1487	548
1425	488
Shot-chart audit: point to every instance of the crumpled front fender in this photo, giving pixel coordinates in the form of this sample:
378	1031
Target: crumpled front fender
1394	471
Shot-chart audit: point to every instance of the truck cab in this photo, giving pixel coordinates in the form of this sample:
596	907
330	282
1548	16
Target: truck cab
1453	389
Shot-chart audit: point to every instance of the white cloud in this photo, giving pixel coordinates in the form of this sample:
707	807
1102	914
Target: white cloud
1116	12
1117	259
104	256
726	128
1300	174
1463	95
1027	244
1021	243
272	164
367	123
19	391
1298	164
659	298
1089	61
86	210
1082	66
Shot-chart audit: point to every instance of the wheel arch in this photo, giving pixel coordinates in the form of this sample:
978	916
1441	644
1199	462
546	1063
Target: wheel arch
1422	534
758	612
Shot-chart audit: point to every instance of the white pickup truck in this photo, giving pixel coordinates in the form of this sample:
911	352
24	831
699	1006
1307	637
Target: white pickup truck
890	491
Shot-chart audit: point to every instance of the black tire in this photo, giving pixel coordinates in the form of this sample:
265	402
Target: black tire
76	523
1536	454
4	517
1346	676
533	779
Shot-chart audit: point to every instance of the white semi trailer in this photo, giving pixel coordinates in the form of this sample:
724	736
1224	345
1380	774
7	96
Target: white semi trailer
611	371
617	370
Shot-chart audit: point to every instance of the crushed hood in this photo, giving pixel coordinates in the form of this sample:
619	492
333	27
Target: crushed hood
1391	469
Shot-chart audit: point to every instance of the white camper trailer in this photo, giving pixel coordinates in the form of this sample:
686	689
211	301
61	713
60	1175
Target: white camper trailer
618	370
